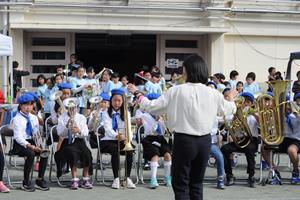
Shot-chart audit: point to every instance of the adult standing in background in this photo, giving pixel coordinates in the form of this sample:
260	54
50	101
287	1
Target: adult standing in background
17	77
192	109
296	85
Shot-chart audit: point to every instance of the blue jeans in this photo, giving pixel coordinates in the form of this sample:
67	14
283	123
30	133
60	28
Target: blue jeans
217	154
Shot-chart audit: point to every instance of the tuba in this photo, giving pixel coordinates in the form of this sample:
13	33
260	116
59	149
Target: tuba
272	112
238	128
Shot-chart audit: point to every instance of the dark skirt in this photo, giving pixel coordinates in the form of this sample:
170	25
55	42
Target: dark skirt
78	154
155	146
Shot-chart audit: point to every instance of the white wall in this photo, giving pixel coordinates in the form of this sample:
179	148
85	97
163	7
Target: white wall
245	57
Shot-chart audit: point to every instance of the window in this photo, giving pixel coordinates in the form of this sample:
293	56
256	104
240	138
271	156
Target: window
41	41
181	44
48	55
40	69
179	56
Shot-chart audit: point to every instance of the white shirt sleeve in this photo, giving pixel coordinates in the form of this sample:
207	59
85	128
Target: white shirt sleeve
53	113
91	120
225	107
81	123
156	106
109	132
62	129
19	131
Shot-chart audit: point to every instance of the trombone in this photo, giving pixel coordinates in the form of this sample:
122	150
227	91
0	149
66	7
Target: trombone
128	137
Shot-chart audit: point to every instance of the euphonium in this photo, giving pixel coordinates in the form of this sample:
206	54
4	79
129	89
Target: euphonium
55	96
127	126
238	128
38	140
272	113
71	104
96	118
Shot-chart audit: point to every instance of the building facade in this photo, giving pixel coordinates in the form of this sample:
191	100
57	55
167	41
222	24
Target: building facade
127	34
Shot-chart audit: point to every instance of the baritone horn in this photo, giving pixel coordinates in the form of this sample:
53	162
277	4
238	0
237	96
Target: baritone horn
96	117
272	111
238	127
38	140
55	96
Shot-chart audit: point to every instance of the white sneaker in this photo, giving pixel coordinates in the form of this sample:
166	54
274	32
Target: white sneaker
129	184
116	183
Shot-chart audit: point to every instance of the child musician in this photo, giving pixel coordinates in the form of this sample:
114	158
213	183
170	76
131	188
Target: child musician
79	83
106	85
72	125
249	150
25	125
217	154
154	144
115	133
291	141
55	108
104	104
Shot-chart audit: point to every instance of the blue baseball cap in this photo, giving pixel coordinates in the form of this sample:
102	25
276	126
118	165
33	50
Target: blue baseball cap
225	90
105	96
152	96
212	83
248	95
25	98
117	91
64	85
35	96
297	95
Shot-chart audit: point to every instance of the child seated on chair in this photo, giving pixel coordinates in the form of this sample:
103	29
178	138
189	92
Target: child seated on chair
26	126
102	106
154	144
291	141
115	139
72	125
250	149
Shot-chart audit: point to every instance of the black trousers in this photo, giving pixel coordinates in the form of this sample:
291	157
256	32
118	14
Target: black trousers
29	161
111	147
190	156
249	151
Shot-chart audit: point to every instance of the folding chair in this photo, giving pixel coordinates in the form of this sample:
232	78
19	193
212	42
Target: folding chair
54	139
3	152
140	169
100	133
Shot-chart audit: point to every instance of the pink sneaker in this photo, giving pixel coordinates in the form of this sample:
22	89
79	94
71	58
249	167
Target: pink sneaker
36	166
75	184
3	188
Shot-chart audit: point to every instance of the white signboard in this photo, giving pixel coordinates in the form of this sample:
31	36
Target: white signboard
172	63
